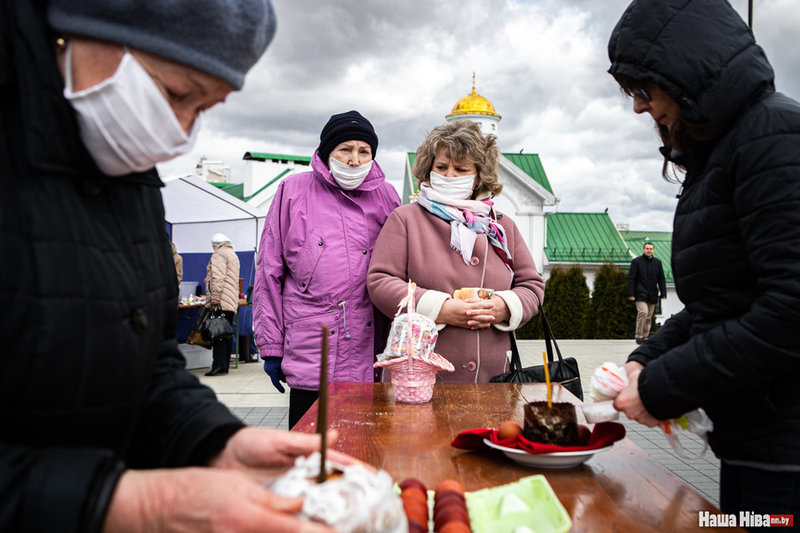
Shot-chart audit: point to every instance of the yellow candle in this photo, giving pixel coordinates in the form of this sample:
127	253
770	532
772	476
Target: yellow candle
547	380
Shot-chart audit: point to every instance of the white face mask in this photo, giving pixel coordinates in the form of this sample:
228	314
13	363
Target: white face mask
125	122
346	176
456	188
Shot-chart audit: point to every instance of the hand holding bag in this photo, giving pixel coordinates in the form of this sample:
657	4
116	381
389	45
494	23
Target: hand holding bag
564	371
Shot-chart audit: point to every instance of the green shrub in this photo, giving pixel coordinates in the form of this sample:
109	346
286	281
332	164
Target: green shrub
612	315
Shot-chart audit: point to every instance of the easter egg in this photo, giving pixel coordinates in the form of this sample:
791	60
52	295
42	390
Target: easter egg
449	484
413	493
413	482
449	497
416	527
455	527
508	429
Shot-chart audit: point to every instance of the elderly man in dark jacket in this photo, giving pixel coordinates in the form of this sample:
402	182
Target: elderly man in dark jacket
645	280
98	413
694	67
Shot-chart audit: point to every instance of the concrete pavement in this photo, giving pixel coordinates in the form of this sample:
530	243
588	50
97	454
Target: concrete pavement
249	393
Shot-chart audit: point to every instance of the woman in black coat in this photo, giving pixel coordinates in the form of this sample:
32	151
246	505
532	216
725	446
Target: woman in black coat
734	351
103	428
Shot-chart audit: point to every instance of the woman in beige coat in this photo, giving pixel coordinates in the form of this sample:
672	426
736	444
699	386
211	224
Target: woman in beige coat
222	289
453	238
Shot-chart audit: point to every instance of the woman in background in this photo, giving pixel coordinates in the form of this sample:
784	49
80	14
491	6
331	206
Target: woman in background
312	264
453	238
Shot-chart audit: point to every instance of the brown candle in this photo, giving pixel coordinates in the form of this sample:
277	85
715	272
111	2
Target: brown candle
322	405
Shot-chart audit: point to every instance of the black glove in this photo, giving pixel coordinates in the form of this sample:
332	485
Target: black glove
272	366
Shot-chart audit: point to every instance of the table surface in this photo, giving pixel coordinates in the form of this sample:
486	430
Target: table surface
621	489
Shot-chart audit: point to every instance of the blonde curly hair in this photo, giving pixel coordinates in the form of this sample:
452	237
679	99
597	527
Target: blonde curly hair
462	141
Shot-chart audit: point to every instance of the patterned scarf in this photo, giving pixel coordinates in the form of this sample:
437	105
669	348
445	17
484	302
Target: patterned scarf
467	218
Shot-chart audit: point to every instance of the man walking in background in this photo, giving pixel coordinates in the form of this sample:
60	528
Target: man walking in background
645	280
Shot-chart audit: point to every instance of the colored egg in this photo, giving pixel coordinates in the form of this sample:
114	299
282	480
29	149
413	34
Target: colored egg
410	503
413	482
449	484
508	430
455	527
414	493
416	527
450	514
448	503
449	493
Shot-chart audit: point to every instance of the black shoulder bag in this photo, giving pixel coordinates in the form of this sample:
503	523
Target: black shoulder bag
564	371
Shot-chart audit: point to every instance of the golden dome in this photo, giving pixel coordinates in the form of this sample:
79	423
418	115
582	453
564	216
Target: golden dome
473	104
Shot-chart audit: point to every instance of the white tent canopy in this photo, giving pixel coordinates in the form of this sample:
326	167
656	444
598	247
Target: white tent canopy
196	210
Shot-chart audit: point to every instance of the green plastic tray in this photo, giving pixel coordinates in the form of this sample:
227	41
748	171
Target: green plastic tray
528	503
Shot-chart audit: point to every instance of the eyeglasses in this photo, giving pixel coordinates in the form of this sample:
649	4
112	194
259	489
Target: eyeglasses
642	94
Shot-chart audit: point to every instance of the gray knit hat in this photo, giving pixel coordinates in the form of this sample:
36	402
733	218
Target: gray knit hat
223	38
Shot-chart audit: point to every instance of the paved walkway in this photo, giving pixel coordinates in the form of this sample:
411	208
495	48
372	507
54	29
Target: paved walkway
249	393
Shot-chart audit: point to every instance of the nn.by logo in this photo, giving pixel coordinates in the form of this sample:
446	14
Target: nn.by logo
744	519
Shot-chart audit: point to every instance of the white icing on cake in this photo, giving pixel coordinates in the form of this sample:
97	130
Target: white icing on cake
360	501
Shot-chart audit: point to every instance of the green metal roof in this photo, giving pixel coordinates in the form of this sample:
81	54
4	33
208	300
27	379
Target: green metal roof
261	156
531	165
584	238
234	189
662	242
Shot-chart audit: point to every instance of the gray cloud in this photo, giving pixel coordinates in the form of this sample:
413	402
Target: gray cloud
405	64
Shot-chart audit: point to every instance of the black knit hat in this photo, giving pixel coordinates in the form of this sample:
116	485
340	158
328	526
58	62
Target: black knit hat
346	127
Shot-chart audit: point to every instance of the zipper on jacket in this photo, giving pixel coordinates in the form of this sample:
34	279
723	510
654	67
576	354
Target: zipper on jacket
344	318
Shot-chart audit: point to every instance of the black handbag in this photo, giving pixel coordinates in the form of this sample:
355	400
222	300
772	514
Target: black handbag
216	326
564	371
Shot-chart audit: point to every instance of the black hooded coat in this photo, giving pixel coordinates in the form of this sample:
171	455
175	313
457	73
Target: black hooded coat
735	349
92	381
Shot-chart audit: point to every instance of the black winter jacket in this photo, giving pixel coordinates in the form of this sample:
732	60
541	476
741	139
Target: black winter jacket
734	350
92	381
646	279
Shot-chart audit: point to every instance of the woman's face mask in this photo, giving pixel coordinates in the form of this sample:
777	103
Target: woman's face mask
455	188
348	177
125	122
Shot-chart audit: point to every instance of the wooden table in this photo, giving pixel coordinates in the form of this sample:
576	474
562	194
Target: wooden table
621	489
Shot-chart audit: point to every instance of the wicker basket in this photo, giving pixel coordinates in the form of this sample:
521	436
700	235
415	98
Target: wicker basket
413	383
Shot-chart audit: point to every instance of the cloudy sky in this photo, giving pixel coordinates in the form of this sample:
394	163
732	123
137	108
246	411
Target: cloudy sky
404	64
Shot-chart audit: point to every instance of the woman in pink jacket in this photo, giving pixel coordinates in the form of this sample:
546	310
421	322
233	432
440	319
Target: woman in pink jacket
452	238
312	264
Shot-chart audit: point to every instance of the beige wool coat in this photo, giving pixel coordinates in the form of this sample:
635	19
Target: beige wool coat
222	278
414	244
